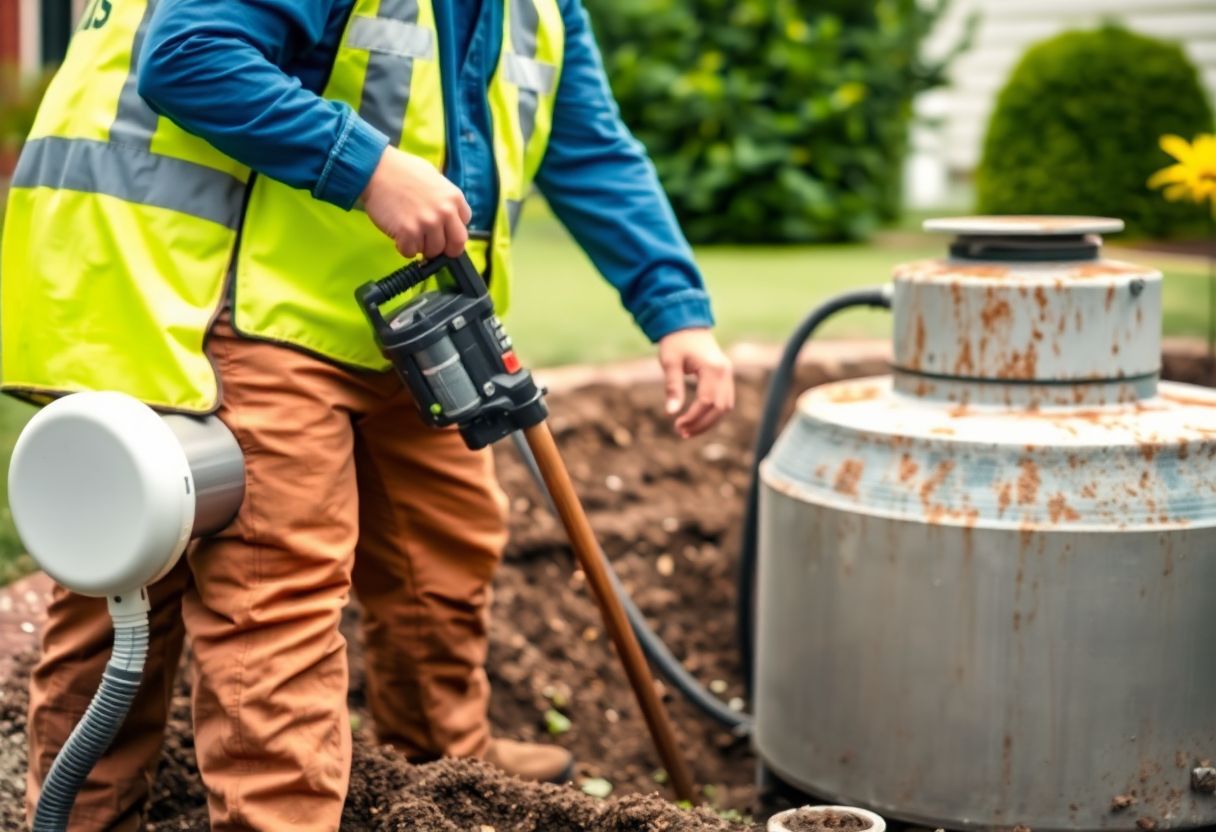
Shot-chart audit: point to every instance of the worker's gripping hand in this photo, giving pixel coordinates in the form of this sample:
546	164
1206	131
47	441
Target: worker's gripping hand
695	352
417	206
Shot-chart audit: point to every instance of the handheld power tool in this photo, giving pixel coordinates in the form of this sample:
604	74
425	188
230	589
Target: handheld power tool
457	360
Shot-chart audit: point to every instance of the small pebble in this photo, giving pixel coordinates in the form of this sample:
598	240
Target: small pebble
718	686
484	828
591	634
612	716
671	525
622	437
614	482
596	787
714	452
6	603
736	704
27	627
665	565
521	505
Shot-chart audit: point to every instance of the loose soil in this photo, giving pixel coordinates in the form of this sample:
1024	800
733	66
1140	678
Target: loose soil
667	513
811	820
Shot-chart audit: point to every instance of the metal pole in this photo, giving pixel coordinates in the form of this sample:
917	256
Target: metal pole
594	565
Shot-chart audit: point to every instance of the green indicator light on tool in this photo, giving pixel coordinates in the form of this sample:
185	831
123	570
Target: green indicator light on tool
436	408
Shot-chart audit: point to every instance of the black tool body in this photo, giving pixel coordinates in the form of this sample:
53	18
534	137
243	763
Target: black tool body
452	351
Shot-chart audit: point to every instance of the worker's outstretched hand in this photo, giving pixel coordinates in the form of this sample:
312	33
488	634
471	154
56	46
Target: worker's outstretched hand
417	206
695	352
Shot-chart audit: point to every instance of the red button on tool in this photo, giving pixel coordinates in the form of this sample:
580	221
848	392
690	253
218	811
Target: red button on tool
511	361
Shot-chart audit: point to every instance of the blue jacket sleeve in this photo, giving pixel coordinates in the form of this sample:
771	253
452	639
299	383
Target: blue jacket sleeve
216	69
604	189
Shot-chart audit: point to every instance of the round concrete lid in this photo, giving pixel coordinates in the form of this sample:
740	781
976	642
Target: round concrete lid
1028	226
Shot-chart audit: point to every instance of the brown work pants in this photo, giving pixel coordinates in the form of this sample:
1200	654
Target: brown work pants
345	486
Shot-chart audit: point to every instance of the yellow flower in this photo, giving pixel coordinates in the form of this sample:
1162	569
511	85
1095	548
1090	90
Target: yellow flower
1194	176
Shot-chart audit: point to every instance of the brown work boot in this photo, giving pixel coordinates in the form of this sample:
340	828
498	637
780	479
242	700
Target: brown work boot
531	760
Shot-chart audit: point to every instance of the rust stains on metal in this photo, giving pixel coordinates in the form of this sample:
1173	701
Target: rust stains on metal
965	365
1040	297
907	468
935	480
996	310
848	476
918	355
1028	482
1105	268
1059	509
850	393
1189	401
1004	496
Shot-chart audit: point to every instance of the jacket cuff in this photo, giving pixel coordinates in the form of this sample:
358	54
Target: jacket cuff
351	162
686	309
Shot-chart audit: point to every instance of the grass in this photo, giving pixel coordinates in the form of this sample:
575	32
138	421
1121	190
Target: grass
562	312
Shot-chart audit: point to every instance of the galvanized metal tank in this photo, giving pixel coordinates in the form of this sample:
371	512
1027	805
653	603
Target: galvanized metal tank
987	586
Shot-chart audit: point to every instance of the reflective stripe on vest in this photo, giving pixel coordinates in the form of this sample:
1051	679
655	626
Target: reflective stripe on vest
121	226
119	231
522	96
301	259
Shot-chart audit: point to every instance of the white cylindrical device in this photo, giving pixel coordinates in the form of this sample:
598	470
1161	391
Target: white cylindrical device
106	493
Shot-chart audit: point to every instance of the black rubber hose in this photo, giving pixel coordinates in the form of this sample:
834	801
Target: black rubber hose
778	390
766	435
95	731
668	666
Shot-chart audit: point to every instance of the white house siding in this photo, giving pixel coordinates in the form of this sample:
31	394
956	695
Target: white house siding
1008	27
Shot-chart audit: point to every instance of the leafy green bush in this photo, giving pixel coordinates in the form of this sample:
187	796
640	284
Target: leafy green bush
19	99
771	120
1076	129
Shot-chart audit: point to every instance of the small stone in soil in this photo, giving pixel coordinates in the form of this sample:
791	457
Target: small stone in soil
1121	802
810	819
1146	824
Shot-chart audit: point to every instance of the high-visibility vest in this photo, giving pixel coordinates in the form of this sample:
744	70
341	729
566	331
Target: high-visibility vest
121	228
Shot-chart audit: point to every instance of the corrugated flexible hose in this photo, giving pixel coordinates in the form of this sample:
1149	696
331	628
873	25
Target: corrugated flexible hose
96	729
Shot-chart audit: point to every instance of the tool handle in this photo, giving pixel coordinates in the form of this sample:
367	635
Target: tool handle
371	296
591	559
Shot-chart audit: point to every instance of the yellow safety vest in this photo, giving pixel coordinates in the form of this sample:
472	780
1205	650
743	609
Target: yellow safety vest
121	228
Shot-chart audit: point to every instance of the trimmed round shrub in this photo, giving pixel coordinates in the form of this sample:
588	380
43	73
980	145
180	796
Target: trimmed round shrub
1076	130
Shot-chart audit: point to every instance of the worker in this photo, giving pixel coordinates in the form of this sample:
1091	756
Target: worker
204	187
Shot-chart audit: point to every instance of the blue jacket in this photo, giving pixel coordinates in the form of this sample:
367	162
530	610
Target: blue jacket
245	75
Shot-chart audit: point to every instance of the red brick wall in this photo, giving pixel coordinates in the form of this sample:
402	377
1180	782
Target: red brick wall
10	32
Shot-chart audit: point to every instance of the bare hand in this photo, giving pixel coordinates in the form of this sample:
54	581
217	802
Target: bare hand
417	207
696	352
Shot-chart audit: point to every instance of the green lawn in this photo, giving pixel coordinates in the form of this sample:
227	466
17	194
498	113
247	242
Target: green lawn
563	313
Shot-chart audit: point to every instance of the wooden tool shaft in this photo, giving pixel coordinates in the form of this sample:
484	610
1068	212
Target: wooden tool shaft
591	559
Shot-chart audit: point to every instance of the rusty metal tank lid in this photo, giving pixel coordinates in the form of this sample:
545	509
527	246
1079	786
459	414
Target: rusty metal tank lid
1024	226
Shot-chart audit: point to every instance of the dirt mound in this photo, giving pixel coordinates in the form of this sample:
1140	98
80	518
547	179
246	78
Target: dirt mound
387	794
667	514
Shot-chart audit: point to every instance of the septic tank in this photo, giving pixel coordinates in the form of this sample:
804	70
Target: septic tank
987	585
